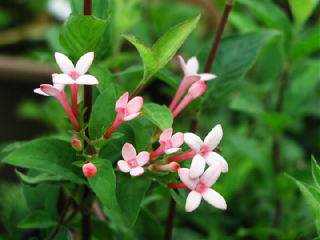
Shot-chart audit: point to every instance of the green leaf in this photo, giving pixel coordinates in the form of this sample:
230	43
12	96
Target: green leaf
149	59
79	163
130	193
37	219
235	56
63	234
312	202
248	103
315	171
160	115
301	10
142	135
104	183
103	112
101	230
104	76
50	155
41	178
276	122
167	46
82	34
168	77
175	195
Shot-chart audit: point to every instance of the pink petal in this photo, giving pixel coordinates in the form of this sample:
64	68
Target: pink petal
207	76
197	89
210	176
123	166
134	105
193	78
193	141
192	66
122	101
49	89
64	63
172	150
183	65
136	171
215	199
193	201
184	174
84	63
166	135
197	166
86	80
63	79
177	139
128	152
143	158
213	157
59	87
214	137
38	90
132	116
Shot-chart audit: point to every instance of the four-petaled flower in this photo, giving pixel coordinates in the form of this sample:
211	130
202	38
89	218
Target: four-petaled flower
129	110
204	151
132	162
201	188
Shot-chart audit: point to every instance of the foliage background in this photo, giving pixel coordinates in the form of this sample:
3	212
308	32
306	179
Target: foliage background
262	201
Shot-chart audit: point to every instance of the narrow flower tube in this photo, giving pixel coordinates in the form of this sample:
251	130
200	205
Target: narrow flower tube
181	157
113	127
171	167
177	185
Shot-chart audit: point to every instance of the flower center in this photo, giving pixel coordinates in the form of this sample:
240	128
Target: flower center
133	163
168	144
201	187
204	150
74	75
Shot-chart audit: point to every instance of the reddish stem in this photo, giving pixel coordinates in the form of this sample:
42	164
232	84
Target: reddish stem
74	98
113	127
157	152
185	101
177	185
181	157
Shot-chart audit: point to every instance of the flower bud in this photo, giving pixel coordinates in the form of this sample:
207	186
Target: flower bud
89	169
197	89
76	144
171	167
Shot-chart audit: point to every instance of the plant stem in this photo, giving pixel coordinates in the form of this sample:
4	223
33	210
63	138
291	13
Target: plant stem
171	217
136	91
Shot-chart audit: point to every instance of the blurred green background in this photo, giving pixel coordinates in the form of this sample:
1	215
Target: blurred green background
270	113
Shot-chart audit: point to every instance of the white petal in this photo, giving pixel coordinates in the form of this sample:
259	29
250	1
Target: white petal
86	80
193	141
207	76
214	157
63	79
193	201
172	150
215	199
134	105
38	90
132	116
49	89
84	63
122	101
60	87
64	63
143	158
214	137
136	171
184	174
192	66
210	176
197	166
166	135
123	166
128	152
183	65
177	139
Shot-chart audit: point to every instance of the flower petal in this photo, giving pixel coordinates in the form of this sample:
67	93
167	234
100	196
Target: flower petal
49	89
84	63
210	176
197	166
64	63
122	101
193	201
207	76
128	152
134	105
192	66
86	80
137	171
166	135
184	174
183	65
143	158
193	141
172	150
63	79
123	166
213	157
177	139
132	116
215	199
59	87
38	90
214	137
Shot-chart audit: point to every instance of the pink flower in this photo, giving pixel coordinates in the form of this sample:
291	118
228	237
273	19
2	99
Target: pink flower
89	169
204	151
168	144
171	167
201	188
132	162
126	111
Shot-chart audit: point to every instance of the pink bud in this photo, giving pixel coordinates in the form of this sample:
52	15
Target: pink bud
76	144
89	169
197	89
171	167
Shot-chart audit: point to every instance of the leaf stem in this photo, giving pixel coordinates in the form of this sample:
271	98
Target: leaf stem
136	91
171	217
